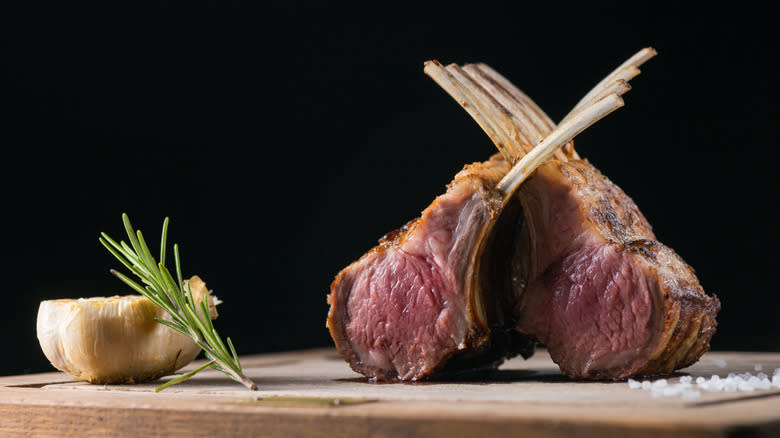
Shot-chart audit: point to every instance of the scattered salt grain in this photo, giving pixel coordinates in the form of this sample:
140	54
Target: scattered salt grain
758	367
764	384
745	386
660	383
720	363
714	385
743	382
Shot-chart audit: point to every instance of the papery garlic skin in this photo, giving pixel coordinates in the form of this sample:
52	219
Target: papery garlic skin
115	339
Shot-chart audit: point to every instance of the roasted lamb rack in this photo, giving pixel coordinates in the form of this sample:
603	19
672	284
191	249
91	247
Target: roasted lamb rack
493	265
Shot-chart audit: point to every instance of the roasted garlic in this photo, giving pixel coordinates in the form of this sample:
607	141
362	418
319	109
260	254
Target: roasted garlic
115	339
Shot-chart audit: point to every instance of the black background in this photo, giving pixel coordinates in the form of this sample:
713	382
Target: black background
284	140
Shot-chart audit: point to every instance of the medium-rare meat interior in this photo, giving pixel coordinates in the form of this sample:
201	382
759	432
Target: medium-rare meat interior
602	293
434	296
415	302
498	262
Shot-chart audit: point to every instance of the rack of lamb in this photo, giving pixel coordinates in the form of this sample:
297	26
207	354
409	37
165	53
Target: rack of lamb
534	244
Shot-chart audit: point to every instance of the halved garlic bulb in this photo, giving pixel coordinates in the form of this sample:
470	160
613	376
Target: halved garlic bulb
115	339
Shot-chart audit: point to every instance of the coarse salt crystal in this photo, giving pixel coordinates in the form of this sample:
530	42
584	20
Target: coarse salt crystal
714	386
720	363
745	386
659	383
758	367
685	389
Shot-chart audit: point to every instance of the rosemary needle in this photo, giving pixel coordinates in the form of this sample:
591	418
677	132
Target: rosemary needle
175	297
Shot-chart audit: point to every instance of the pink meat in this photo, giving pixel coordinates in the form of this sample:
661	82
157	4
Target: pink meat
404	309
607	299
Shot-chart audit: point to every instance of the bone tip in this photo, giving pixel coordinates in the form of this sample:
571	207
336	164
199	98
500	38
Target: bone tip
647	53
430	67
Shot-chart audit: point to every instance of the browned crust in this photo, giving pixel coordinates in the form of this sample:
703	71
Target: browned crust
685	314
484	176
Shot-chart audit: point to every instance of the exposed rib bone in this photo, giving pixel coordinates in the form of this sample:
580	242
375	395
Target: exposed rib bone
541	120
561	135
485	117
526	115
512	120
520	140
525	118
619	87
626	71
524	125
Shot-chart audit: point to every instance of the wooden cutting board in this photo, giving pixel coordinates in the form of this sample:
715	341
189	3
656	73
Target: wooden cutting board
314	393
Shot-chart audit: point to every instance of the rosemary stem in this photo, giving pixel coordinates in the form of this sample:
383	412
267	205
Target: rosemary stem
241	378
175	297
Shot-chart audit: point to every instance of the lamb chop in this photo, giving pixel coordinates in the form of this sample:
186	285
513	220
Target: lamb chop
591	280
437	296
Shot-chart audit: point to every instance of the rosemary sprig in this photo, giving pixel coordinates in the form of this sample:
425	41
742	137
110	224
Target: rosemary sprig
172	296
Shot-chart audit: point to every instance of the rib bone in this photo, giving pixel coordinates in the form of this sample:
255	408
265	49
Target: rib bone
518	135
562	134
626	71
539	118
489	118
525	114
514	122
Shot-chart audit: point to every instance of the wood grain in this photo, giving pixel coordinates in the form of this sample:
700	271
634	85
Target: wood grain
298	389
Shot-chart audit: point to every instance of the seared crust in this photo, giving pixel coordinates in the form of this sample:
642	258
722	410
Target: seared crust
684	319
486	340
689	313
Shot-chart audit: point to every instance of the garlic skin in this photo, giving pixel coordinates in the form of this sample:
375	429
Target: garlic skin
115	339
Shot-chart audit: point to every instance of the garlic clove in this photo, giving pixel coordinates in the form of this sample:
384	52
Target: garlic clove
199	290
115	339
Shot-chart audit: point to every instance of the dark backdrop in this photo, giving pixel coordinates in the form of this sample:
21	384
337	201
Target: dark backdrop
283	141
